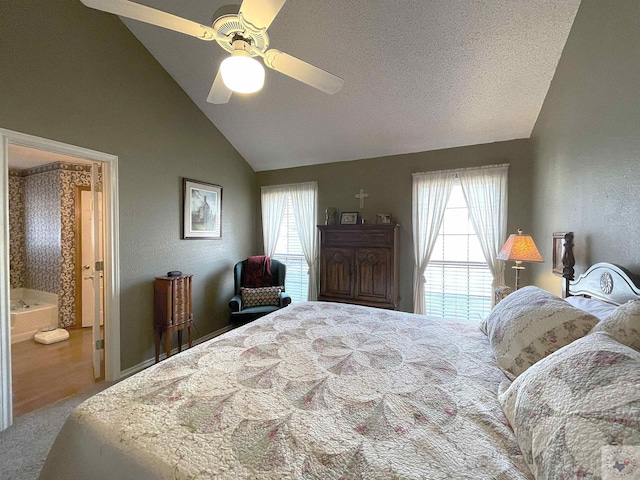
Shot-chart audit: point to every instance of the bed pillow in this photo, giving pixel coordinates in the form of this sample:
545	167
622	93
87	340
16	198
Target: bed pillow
571	404
530	324
595	307
254	297
623	324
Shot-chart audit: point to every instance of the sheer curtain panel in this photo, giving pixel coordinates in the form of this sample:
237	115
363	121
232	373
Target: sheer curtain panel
273	199
485	190
305	210
429	199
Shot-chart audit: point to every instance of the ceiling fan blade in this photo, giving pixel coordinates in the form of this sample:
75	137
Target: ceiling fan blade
257	15
303	71
150	15
219	92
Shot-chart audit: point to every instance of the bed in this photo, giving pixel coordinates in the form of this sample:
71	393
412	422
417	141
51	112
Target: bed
323	390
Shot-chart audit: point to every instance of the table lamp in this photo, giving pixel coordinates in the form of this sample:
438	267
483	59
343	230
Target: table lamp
520	248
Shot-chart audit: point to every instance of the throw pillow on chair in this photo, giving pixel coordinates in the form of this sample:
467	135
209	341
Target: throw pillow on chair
253	297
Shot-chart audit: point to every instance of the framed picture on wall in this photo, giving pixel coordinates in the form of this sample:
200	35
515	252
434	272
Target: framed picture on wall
202	210
558	252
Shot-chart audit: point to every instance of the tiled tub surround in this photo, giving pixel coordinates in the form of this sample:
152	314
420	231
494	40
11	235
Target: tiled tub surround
32	310
42	231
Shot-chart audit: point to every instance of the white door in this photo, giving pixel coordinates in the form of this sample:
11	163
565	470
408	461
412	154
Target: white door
88	258
97	265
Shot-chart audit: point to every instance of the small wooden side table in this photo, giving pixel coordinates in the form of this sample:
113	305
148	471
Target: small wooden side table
172	310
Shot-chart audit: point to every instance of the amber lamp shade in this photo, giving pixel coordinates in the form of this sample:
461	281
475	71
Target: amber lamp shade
520	248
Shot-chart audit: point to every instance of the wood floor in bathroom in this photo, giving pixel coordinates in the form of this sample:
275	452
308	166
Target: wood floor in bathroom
43	374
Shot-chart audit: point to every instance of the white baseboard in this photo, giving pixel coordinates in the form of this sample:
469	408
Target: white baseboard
147	363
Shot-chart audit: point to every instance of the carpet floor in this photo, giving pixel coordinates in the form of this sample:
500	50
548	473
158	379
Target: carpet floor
25	444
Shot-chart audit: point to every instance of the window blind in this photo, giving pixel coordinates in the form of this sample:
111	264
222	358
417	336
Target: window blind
457	278
289	251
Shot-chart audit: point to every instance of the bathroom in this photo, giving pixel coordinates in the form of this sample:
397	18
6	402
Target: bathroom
32	311
45	261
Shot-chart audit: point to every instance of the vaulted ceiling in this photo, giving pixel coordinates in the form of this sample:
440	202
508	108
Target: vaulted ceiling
418	75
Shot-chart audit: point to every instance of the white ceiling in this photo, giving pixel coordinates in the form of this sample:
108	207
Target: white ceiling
419	75
24	158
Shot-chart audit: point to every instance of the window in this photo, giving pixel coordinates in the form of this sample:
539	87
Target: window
289	216
289	251
457	277
459	225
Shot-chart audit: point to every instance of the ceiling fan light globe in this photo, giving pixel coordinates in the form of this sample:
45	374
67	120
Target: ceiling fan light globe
242	73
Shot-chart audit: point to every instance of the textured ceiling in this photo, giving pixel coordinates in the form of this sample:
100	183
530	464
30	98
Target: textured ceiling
419	75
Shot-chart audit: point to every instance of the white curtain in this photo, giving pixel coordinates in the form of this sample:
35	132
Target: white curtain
305	211
273	200
485	190
431	192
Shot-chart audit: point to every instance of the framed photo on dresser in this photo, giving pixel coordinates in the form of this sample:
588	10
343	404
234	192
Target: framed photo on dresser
349	218
383	218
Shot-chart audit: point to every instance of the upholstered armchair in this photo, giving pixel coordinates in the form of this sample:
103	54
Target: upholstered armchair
259	289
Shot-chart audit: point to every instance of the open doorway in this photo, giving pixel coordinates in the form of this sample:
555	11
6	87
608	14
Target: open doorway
51	239
69	167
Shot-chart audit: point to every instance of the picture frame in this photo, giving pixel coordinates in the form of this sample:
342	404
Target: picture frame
202	210
349	218
383	218
558	252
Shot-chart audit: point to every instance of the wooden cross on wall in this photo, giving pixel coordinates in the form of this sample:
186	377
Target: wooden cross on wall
362	196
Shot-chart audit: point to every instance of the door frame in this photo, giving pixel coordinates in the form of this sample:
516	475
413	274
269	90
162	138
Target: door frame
111	258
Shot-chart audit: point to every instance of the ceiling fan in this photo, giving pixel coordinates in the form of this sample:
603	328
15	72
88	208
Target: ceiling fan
244	35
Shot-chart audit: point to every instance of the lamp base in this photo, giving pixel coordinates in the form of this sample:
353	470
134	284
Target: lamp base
518	266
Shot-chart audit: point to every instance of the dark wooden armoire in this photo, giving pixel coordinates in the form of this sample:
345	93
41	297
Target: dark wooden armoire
359	264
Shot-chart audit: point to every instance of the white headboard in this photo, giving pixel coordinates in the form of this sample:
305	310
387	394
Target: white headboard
608	282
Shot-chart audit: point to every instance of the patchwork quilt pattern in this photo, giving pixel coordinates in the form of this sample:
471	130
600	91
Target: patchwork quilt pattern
316	391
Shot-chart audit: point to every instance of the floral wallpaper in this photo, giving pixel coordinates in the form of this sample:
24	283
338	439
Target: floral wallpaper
70	176
42	231
17	252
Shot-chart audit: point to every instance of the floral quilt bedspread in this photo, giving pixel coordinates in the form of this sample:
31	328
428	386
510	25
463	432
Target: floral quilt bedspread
314	391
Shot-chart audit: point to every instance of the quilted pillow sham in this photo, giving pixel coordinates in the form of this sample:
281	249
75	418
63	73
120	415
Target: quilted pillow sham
255	297
530	324
570	408
623	324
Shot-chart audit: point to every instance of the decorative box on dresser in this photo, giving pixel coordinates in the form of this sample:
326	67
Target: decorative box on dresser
359	264
172	310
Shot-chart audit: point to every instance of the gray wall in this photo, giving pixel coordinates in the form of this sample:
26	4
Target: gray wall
388	180
79	76
587	142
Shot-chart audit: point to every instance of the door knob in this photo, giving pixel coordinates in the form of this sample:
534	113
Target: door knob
86	267
89	277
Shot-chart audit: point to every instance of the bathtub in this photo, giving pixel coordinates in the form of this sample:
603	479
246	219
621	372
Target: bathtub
31	311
